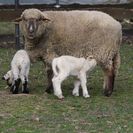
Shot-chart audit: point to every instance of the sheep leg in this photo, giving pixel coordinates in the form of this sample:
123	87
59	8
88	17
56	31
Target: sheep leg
109	75
57	85
24	85
57	88
83	84
75	91
49	77
108	86
25	89
16	82
15	87
25	82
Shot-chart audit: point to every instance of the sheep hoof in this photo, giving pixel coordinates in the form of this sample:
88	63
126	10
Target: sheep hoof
107	93
61	97
15	92
86	96
11	89
75	94
26	91
49	89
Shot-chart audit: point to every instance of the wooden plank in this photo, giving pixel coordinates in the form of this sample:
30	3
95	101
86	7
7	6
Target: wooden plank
9	15
70	6
118	13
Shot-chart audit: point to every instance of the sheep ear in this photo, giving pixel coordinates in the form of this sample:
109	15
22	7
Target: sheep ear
44	17
17	20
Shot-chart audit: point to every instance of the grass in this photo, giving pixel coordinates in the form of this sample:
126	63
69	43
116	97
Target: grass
39	112
7	28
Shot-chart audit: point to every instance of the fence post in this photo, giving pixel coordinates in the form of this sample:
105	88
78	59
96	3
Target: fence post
17	35
16	4
17	32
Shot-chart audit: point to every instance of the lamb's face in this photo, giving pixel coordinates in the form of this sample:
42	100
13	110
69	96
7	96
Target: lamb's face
8	77
92	62
33	22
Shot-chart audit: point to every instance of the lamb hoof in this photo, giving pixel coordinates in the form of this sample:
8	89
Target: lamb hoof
61	97
49	89
11	89
75	94
15	92
26	91
86	96
107	93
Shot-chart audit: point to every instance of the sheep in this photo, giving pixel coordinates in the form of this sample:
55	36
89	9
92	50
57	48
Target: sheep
50	34
64	66
20	66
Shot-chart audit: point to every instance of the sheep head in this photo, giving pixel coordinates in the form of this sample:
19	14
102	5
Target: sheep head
32	22
8	77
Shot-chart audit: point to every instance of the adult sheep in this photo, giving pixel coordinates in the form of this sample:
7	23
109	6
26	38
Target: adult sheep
76	33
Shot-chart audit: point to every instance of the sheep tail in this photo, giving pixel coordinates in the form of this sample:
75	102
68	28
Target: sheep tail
54	67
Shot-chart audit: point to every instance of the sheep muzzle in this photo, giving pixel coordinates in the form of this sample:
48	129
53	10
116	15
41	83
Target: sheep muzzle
31	27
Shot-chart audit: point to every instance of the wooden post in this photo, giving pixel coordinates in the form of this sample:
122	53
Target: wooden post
17	36
17	32
16	4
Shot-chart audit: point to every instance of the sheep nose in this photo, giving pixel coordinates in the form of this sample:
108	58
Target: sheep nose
31	29
31	26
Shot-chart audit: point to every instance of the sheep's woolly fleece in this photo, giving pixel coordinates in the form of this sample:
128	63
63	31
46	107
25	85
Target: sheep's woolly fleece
76	33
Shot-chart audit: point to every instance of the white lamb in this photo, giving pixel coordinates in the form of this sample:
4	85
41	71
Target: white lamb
20	66
64	66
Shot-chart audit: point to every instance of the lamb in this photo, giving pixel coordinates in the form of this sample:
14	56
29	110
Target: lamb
64	66
20	66
50	34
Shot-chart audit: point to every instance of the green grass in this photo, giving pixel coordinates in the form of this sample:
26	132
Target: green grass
7	28
39	112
